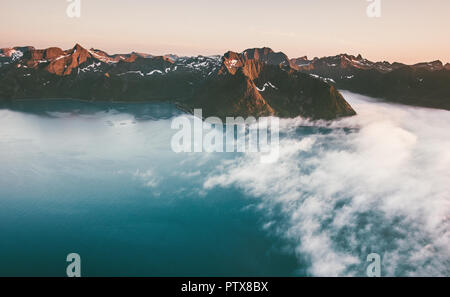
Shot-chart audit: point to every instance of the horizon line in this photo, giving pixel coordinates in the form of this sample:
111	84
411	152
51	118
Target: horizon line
248	48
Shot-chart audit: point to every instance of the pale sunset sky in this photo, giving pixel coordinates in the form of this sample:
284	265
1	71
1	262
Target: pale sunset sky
408	31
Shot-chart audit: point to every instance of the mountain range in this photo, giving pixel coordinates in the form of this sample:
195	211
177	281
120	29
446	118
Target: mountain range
423	84
255	82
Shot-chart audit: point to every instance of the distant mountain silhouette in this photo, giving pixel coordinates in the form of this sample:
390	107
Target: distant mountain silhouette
423	84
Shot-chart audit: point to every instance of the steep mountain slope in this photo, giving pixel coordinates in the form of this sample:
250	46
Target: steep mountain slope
256	82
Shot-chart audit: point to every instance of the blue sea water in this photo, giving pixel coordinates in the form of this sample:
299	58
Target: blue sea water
100	180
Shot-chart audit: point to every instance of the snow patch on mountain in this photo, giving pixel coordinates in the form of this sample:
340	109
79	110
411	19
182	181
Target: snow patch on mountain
266	85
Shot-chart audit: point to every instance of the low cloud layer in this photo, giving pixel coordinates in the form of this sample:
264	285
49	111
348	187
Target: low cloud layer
378	182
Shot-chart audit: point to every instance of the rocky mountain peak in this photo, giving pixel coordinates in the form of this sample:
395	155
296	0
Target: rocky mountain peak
431	66
266	55
78	47
252	60
53	53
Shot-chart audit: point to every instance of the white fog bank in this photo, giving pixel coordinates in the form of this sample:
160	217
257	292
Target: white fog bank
381	186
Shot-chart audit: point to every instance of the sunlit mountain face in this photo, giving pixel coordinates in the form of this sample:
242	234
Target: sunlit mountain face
101	179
